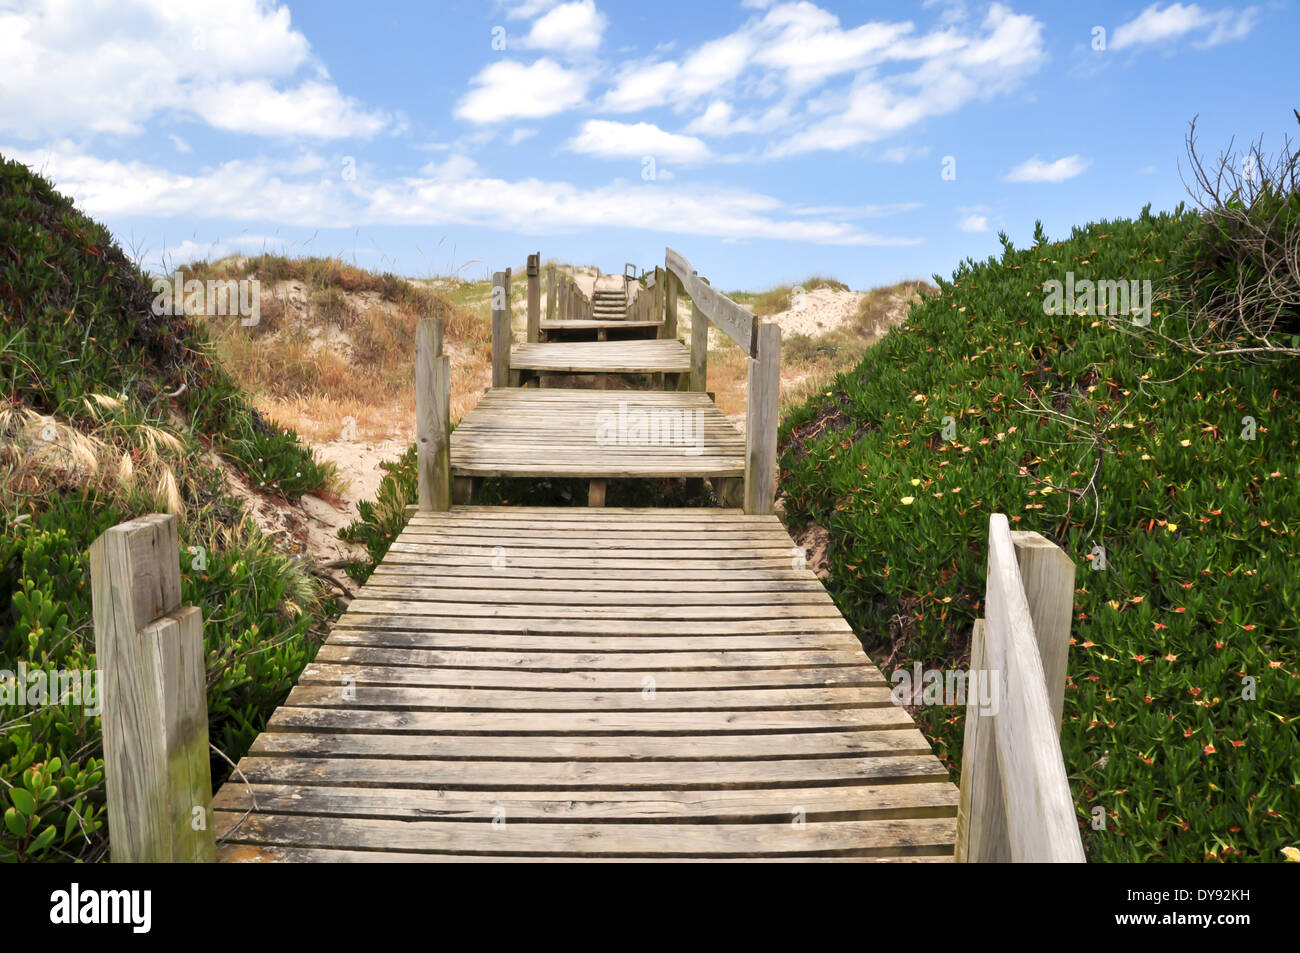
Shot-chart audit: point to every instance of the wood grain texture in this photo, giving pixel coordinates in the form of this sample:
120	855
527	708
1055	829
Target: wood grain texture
736	322
762	417
595	434
479	701
432	417
154	702
602	357
501	333
1040	816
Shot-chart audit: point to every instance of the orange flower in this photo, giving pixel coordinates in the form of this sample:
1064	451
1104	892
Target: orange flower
1209	749
1171	658
1238	744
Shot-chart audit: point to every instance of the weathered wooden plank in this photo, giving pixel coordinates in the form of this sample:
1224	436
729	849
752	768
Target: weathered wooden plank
551	680
761	420
671	638
735	321
856	802
154	703
349	693
534	313
1040	819
578	662
893	836
291	718
433	417
749	747
501	333
610	775
602	357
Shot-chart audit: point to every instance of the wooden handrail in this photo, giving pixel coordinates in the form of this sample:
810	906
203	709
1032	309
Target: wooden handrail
1015	796
761	341
151	661
739	324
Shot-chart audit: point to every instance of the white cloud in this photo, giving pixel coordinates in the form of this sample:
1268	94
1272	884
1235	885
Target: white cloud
1155	26
519	135
900	154
719	119
313	109
527	9
456	168
261	190
618	140
181	145
71	67
974	223
570	28
702	72
1036	170
953	70
510	90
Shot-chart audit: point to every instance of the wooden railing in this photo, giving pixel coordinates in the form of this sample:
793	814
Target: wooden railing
1015	796
761	341
433	410
565	301
149	649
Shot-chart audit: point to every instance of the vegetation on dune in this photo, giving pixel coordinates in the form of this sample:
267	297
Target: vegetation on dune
781	298
1169	477
333	341
113	412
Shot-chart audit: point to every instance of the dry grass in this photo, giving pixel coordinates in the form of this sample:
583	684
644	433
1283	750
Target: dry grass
334	350
778	299
333	354
114	455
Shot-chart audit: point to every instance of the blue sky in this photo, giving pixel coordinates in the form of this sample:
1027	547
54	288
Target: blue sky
765	140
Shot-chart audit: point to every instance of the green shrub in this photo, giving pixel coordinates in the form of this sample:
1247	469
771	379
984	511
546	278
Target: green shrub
1198	525
82	347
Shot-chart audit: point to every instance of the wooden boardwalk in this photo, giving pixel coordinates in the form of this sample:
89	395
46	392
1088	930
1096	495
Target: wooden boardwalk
560	432
564	683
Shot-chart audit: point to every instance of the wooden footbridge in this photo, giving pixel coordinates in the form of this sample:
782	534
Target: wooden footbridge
562	683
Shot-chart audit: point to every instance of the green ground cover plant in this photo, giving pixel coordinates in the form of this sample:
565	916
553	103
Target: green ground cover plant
112	412
1183	694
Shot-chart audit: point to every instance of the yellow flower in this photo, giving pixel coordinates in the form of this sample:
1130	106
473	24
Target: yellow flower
1171	527
908	500
1291	854
916	483
1185	443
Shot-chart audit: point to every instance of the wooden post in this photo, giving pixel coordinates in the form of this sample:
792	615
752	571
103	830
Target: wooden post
550	293
534	297
596	493
981	815
501	336
761	421
433	416
699	349
660	278
1015	801
1048	576
670	305
154	698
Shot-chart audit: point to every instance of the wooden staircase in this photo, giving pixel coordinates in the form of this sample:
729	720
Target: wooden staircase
609	305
